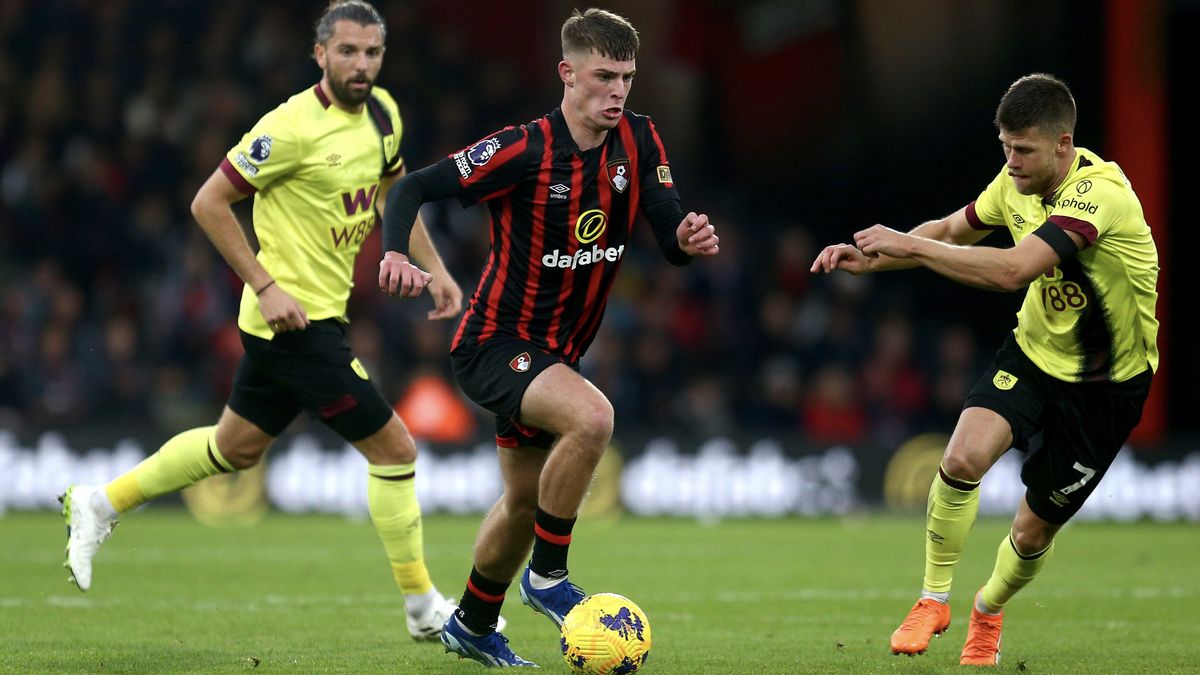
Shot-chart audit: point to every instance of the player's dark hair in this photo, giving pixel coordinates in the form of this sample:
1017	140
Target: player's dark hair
1037	100
602	32
358	11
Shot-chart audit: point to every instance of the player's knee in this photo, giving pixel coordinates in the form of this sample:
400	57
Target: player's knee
959	463
521	505
391	455
242	456
1031	540
520	499
1030	534
389	446
594	424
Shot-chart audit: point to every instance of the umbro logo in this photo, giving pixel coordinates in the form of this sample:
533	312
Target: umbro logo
560	191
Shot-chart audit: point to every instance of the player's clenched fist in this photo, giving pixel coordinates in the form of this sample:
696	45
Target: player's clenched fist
397	276
697	236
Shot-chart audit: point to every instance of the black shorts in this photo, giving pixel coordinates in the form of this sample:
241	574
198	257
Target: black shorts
1071	431
495	375
311	370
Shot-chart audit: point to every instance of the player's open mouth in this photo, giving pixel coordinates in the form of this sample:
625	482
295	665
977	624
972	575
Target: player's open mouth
612	113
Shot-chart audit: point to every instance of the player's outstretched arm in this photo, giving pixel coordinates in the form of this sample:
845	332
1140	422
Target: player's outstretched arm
404	200
212	208
992	269
953	229
446	293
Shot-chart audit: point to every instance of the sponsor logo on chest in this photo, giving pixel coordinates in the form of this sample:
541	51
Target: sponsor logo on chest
1079	205
590	225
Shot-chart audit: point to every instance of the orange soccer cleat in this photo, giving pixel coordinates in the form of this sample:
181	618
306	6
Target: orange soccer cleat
983	639
926	618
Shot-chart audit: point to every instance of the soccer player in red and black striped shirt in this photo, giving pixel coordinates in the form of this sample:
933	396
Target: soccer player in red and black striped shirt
564	192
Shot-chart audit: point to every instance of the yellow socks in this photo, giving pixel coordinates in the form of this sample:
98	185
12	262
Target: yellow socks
1012	572
953	505
185	459
392	501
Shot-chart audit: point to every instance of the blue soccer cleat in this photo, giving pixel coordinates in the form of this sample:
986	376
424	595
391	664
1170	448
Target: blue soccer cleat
554	602
491	650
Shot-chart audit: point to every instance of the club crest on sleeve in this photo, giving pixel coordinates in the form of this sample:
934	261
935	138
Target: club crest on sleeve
618	173
664	176
484	150
1004	380
521	362
260	148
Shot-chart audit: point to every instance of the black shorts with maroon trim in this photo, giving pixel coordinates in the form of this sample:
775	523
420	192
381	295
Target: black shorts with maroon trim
495	375
1071	431
311	370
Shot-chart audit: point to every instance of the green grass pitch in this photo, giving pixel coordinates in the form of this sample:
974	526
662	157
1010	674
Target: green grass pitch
314	594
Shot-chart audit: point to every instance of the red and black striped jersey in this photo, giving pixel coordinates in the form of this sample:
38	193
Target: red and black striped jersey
561	221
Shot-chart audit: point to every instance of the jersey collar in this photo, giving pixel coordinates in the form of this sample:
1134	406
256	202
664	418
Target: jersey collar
562	132
563	140
325	102
1080	162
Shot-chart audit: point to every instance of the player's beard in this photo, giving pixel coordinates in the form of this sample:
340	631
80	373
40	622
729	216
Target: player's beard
348	96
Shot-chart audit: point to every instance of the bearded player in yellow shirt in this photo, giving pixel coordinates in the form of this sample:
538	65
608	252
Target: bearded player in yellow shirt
315	165
1069	383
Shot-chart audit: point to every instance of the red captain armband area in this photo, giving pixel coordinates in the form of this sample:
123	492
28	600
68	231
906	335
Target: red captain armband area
1080	227
1058	239
243	186
974	221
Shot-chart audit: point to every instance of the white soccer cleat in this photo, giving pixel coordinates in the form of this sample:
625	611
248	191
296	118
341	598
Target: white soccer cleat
86	530
428	626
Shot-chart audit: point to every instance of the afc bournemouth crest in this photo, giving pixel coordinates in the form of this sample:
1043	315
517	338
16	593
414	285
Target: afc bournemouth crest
520	362
618	174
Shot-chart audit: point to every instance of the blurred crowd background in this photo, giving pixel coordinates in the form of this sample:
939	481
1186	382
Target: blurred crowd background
792	123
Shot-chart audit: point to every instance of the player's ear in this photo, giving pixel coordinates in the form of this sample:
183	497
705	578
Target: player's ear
1064	143
319	55
566	73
